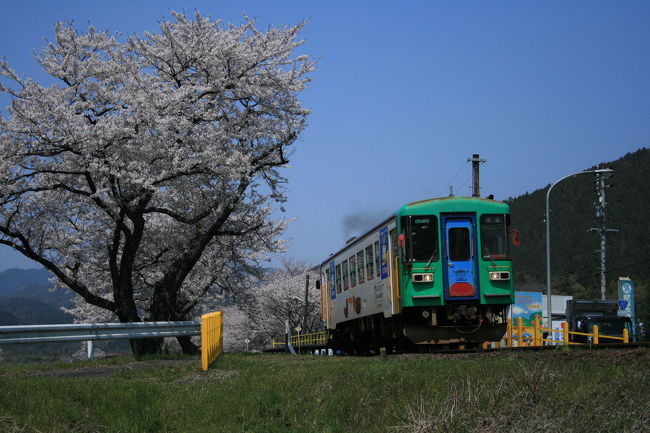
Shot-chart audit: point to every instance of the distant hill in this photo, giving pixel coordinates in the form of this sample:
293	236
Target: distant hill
575	260
8	319
30	312
26	299
15	280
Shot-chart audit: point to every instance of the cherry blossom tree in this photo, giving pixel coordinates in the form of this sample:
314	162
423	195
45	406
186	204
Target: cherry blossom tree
281	298
145	177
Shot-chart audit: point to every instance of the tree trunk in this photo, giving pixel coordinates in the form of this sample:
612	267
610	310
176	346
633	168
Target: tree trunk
188	347
146	346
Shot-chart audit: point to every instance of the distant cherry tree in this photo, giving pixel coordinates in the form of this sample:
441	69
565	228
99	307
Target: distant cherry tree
281	300
259	311
145	177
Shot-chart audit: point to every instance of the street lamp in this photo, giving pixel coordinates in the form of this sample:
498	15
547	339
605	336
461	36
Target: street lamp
548	239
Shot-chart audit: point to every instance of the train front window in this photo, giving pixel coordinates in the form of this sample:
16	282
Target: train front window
421	238
459	244
494	236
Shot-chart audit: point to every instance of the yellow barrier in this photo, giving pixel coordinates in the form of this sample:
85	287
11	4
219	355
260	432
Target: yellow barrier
314	339
537	338
211	338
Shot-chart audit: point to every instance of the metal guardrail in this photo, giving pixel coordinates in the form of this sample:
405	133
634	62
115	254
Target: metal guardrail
23	334
210	328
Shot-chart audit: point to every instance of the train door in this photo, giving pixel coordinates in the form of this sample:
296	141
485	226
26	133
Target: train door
326	291
394	281
460	267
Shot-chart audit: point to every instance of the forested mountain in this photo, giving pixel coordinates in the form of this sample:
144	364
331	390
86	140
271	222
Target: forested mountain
575	253
15	280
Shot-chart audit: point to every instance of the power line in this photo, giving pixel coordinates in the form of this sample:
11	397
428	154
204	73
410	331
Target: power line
452	179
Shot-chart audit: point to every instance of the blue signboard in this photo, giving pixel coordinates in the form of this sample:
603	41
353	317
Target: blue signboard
383	248
626	300
333	280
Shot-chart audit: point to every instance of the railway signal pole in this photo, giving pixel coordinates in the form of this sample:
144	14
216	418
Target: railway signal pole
601	185
476	161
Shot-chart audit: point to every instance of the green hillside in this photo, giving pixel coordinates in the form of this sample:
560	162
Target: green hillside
575	258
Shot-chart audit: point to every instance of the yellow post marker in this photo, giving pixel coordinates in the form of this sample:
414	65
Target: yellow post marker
509	333
537	334
626	336
565	331
595	334
485	345
520	332
211	338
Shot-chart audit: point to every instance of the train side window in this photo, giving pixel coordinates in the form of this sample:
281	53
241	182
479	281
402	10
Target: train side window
353	271
377	267
338	278
370	263
345	275
361	267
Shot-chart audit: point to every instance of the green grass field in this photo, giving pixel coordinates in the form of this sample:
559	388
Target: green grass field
560	390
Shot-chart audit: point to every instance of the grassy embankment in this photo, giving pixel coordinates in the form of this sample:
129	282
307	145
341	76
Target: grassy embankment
564	391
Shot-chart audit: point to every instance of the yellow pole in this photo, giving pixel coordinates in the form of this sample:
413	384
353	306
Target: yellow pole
565	330
595	334
509	333
626	336
520	332
536	333
204	343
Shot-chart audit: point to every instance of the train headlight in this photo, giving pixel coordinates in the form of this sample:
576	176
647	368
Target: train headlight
422	278
499	276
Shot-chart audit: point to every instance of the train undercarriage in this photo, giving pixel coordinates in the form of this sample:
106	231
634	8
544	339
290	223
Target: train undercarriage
421	329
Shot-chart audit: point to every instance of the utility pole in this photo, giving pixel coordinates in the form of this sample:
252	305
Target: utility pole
476	161
601	185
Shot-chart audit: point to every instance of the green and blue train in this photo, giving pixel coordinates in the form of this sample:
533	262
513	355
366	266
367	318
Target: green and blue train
437	272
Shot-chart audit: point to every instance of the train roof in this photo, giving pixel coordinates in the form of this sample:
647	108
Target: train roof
452	204
433	205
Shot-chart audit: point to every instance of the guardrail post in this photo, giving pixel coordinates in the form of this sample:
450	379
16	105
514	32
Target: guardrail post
520	332
595	334
626	336
90	349
537	334
509	334
565	333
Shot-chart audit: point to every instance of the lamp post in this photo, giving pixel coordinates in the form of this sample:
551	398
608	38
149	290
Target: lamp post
548	240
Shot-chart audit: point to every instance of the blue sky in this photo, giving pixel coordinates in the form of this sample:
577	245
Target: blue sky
405	92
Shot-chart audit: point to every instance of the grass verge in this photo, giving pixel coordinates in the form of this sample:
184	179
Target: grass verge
567	391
